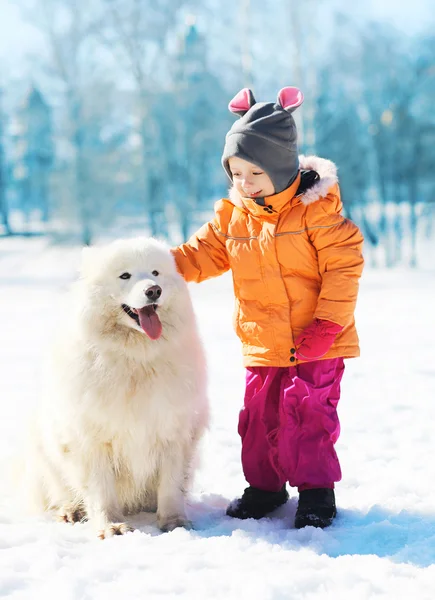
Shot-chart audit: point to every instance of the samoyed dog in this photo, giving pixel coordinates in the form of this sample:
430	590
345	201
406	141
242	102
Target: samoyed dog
118	426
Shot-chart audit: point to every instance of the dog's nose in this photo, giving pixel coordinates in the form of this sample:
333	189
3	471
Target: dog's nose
154	292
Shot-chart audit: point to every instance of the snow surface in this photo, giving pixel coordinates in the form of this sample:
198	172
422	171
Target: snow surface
382	544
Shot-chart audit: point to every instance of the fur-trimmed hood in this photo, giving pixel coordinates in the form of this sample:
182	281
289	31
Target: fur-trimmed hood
326	169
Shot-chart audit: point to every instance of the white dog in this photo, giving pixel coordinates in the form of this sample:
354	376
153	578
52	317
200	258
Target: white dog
117	430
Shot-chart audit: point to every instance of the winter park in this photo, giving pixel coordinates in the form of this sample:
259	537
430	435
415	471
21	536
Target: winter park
217	280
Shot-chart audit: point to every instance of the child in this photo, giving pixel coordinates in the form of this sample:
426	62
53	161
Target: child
295	262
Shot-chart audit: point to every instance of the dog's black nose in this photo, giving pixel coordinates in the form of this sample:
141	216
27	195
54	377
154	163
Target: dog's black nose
154	292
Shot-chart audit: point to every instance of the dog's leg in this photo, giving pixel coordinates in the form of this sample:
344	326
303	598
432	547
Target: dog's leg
170	494
100	498
46	489
191	458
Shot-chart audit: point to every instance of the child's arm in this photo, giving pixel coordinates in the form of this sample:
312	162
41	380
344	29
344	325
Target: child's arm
338	243
205	254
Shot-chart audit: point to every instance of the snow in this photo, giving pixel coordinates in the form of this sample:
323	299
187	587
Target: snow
382	544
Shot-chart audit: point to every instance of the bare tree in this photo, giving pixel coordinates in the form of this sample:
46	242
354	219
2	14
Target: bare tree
75	72
4	213
137	32
397	79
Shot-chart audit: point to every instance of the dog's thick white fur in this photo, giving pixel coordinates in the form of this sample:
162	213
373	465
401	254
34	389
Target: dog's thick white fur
118	426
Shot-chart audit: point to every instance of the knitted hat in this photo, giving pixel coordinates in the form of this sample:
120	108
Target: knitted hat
265	135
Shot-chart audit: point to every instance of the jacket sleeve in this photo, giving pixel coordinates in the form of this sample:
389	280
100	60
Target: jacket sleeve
205	254
338	243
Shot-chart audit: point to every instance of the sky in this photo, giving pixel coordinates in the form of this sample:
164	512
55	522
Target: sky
16	35
382	544
407	16
18	38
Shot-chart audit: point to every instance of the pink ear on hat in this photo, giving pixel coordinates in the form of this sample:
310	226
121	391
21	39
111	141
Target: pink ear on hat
242	102
290	98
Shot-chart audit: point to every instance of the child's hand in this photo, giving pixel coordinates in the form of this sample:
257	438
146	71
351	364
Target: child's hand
316	339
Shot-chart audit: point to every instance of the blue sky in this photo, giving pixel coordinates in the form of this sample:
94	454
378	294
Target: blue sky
408	16
18	38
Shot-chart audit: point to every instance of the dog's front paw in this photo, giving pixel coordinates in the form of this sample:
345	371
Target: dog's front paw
172	522
114	529
71	513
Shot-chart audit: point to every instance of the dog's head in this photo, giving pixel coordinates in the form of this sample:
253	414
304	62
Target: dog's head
134	279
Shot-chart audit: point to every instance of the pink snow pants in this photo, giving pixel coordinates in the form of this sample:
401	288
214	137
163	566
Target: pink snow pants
289	425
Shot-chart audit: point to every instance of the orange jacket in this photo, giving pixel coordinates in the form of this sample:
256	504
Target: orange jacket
298	261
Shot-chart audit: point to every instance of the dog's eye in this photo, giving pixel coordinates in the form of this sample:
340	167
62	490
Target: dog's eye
155	273
125	276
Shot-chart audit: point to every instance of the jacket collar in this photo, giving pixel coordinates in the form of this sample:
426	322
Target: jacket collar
273	205
268	207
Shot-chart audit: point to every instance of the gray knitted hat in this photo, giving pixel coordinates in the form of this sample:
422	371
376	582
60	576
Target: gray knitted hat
265	135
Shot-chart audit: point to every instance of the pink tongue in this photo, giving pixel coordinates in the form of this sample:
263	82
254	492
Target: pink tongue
150	322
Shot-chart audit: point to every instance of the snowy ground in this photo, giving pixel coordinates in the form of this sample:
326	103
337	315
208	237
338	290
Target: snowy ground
382	544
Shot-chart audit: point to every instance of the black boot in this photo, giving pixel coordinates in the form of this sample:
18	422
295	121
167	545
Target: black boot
316	508
256	504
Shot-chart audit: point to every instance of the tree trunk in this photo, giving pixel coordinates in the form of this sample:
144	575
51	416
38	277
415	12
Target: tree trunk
413	221
4	213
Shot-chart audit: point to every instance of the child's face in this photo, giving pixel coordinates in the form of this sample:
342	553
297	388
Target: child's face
249	180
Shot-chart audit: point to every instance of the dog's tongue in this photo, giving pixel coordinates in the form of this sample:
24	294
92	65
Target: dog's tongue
150	322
